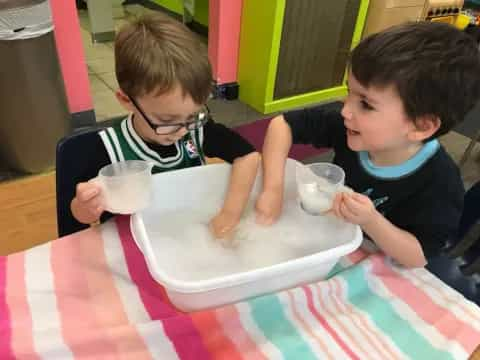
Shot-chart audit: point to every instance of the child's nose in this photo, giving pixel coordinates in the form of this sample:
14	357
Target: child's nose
346	112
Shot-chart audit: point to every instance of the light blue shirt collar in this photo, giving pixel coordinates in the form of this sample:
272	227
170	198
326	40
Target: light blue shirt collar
391	172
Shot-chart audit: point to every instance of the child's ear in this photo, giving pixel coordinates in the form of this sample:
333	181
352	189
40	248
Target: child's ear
124	100
424	127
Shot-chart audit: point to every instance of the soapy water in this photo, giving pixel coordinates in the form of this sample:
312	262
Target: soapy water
185	249
317	197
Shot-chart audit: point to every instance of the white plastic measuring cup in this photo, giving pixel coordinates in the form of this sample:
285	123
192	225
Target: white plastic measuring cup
126	187
317	185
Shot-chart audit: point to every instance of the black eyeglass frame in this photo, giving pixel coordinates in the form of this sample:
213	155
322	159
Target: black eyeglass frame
201	119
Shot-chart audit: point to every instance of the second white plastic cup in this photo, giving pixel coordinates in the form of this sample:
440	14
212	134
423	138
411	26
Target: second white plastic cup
317	185
126	187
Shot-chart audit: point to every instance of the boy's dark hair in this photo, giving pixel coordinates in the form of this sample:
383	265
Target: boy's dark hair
157	53
434	67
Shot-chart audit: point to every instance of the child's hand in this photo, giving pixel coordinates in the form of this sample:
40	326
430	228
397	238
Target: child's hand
223	225
87	206
354	208
269	207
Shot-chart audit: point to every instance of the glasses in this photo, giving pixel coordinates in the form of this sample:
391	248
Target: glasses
199	119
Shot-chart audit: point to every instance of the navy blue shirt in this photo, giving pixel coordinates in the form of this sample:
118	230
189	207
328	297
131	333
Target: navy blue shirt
423	196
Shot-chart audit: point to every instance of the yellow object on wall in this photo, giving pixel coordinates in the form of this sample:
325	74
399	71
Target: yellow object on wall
462	21
385	13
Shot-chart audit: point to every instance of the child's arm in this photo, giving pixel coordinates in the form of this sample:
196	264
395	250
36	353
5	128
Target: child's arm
278	141
226	144
320	126
79	169
399	244
242	178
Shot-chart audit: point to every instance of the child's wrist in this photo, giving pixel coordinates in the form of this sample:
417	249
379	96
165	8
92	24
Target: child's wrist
372	221
232	211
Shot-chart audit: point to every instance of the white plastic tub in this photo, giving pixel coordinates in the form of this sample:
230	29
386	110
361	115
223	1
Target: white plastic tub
190	188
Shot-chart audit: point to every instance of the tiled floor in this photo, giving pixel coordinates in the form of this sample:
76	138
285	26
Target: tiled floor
101	72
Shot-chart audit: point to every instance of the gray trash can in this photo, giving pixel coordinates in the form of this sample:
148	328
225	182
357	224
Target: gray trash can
33	107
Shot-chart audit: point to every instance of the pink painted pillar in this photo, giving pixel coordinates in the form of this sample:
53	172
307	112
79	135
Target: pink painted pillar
223	38
71	55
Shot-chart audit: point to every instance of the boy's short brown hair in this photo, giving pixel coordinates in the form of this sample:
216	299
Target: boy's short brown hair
155	53
434	67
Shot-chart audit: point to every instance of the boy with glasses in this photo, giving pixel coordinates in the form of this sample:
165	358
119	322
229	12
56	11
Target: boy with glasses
165	80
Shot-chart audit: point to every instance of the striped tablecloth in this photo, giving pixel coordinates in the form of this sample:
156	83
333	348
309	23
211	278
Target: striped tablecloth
90	295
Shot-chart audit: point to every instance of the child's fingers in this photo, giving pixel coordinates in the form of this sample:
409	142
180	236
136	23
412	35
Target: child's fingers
337	200
347	214
263	219
99	210
228	241
354	205
214	229
360	198
89	195
94	206
222	226
86	193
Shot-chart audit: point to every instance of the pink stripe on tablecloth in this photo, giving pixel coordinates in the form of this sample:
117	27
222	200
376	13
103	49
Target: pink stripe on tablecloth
326	325
218	344
229	318
370	335
425	307
5	320
326	302
321	343
81	329
106	302
22	336
177	326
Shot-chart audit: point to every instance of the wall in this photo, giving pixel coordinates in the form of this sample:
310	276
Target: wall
223	39
201	9
71	55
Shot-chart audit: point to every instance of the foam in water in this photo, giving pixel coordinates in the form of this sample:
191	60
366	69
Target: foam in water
185	249
317	197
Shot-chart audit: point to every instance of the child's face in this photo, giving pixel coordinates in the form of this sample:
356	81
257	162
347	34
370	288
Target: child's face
167	109
375	119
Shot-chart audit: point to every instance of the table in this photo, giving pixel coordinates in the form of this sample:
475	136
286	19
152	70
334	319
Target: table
90	295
